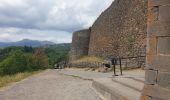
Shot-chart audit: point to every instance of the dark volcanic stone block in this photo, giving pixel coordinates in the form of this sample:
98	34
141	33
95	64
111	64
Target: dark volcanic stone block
161	63
164	79
164	13
151	76
163	45
158	30
156	91
152	3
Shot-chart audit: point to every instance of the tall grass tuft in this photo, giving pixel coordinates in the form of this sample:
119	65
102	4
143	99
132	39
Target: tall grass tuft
90	59
6	80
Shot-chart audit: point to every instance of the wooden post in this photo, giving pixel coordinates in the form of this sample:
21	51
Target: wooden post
120	62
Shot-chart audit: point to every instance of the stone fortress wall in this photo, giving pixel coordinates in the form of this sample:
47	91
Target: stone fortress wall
120	31
158	51
80	44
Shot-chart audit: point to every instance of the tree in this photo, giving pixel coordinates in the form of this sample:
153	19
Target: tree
16	62
40	59
57	53
4	53
28	49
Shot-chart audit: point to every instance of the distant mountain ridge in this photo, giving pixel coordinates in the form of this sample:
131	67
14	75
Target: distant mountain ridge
26	42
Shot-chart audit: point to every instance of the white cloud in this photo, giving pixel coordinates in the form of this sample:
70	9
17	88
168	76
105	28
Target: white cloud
53	20
15	34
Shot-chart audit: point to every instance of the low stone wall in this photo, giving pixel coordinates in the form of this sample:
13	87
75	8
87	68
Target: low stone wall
87	65
132	63
158	51
127	63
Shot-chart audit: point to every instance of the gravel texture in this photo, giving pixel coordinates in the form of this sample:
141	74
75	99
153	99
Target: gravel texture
50	85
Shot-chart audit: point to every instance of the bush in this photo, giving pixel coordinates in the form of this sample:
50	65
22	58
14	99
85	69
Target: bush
57	53
39	59
20	59
16	62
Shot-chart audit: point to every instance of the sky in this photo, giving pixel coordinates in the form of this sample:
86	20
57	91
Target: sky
51	20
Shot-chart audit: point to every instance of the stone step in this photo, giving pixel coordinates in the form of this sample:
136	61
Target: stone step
130	82
140	79
112	90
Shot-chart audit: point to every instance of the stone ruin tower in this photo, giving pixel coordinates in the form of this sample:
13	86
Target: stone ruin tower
158	51
80	44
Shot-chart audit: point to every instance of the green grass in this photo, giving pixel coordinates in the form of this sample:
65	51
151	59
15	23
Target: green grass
6	80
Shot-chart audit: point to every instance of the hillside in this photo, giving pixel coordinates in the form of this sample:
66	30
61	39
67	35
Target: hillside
58	52
26	42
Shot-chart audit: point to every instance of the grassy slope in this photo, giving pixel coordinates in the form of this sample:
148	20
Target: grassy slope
6	80
90	59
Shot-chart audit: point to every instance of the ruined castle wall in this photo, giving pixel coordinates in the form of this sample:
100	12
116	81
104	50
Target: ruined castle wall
80	44
120	30
157	85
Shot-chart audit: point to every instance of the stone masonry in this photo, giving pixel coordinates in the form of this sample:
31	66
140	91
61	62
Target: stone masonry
120	31
80	44
158	51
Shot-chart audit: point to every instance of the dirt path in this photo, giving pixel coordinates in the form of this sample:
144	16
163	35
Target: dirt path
50	86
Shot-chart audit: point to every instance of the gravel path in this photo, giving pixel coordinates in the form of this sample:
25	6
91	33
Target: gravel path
50	86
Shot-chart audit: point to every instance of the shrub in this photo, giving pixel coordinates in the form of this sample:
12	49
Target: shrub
39	59
14	63
18	61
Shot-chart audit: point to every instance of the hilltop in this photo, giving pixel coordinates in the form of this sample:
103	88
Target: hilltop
26	42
